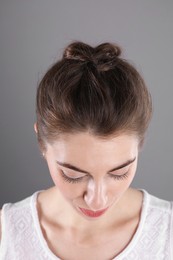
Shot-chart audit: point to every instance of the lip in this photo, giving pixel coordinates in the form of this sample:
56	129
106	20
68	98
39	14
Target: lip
93	214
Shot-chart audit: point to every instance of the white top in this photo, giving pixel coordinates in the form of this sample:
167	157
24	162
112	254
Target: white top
22	237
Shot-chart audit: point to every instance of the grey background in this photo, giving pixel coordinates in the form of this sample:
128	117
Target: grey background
32	36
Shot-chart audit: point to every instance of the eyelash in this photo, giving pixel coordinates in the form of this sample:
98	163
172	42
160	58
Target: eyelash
71	180
120	177
76	180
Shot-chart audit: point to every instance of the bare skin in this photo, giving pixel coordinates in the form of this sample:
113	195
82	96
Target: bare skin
92	182
62	223
101	242
0	225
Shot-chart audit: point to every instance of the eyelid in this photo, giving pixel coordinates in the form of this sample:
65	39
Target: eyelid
70	180
74	175
77	180
77	175
121	171
120	177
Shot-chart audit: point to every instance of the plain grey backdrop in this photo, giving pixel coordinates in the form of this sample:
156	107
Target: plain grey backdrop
32	36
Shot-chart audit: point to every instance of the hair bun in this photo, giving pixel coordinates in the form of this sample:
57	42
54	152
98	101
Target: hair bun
103	56
79	51
107	56
108	49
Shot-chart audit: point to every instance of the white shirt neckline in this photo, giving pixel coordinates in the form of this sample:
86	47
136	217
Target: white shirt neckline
124	253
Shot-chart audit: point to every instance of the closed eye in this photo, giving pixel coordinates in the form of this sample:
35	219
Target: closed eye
79	179
119	177
70	179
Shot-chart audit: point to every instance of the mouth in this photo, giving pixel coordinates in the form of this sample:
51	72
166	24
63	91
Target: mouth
93	214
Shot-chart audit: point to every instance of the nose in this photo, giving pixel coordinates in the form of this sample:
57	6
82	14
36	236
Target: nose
96	196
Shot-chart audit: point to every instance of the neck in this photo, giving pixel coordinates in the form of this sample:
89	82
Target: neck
69	218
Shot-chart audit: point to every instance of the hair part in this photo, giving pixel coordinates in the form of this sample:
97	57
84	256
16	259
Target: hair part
92	89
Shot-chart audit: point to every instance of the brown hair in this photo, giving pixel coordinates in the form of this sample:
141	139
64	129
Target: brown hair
92	89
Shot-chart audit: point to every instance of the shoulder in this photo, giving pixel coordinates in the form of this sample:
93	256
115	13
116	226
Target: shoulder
11	212
14	216
0	224
19	225
160	204
158	214
158	222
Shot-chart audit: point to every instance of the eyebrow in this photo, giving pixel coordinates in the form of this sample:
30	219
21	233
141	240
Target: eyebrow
72	167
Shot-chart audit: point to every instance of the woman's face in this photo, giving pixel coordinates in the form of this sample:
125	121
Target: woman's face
92	174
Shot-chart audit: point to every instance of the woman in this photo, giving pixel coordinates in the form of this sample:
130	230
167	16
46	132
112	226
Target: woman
93	110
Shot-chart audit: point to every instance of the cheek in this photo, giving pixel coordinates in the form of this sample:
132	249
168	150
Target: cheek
119	187
130	178
68	190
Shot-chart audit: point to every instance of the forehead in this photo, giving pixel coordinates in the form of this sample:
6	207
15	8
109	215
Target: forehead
84	148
